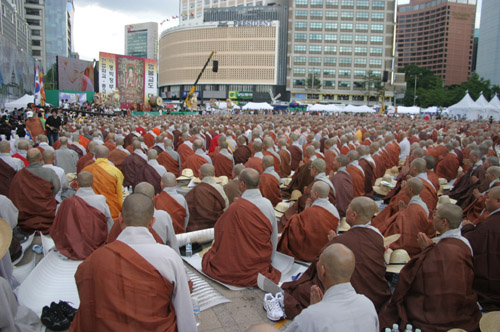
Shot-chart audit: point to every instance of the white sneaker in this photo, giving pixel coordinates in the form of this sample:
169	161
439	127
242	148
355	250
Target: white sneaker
281	299
272	307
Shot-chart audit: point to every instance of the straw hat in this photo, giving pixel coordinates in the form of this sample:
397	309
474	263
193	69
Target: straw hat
391	239
490	322
384	185
387	255
344	226
444	199
285	182
187	174
399	258
459	330
295	195
5	237
442	181
280	209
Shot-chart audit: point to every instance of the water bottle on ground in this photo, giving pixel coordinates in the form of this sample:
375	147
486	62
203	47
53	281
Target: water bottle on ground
189	248
196	310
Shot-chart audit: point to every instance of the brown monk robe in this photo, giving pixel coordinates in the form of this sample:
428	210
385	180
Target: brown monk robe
318	167
149	139
115	282
108	181
476	212
232	188
223	161
237	259
428	195
34	127
166	160
434	290
7	173
484	239
136	170
448	167
410	220
296	154
242	152
118	226
331	152
465	185
342	180
195	161
368	278
303	237
206	204
268	150
110	144
32	191
269	184
368	165
302	176
118	156
357	175
78	228
87	159
285	159
184	151
165	202
255	161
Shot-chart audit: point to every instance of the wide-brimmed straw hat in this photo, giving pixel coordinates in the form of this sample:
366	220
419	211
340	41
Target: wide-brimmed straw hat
398	260
444	199
384	185
344	226
490	322
296	194
187	174
5	237
280	209
391	239
285	182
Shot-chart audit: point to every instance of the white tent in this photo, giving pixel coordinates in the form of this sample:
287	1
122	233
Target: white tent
258	106
432	109
358	109
324	108
466	107
21	102
495	108
408	109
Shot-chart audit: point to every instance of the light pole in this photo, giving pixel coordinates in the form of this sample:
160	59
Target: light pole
415	91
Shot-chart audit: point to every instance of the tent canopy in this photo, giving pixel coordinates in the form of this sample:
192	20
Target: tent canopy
21	102
466	107
257	106
324	108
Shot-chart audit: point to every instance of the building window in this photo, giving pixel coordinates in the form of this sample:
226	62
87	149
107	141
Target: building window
346	27
360	73
360	61
35	32
331	14
344	73
348	15
331	26
375	50
361	38
330	49
362	15
316	25
332	3
298	83
377	16
300	37
344	84
330	38
377	27
345	61
314	60
378	4
315	37
345	50
347	3
328	72
376	39
299	59
329	84
361	27
314	49
346	38
300	25
316	2
314	71
360	50
328	61
301	2
36	53
301	14
317	14
376	62
299	71
358	85
300	48
35	43
362	3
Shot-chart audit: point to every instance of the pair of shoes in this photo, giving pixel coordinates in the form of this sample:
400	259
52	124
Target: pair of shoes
58	316
273	307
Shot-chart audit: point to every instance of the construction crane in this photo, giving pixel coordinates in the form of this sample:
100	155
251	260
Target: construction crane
187	101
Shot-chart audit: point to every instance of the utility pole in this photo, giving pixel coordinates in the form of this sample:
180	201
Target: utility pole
415	91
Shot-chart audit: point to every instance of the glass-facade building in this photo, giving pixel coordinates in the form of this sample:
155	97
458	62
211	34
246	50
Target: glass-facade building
141	40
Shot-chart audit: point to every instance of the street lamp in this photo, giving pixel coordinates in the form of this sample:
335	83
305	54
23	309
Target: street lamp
415	90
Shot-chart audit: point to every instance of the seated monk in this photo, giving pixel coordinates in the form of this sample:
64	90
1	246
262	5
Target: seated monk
410	220
119	154
286	159
162	224
242	152
136	169
173	203
250	220
302	176
153	162
197	159
255	161
296	151
356	172
366	243
207	201
232	188
169	158
476	211
33	190
269	184
431	300
428	194
138	264
367	163
269	151
448	167
331	152
340	308
184	149
318	167
484	239
466	183
342	179
303	237
87	159
7	173
223	160
108	181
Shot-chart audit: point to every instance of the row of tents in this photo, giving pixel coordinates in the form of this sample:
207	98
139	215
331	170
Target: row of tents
473	110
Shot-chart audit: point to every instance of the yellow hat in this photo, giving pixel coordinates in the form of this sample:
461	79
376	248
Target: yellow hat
399	258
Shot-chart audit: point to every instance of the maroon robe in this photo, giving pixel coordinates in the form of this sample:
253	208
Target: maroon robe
136	170
223	165
170	164
206	205
463	188
241	154
232	190
285	168
368	277
255	163
296	153
84	162
242	247
300	179
76	149
358	180
448	167
117	157
370	178
194	162
7	173
177	212
269	186
345	192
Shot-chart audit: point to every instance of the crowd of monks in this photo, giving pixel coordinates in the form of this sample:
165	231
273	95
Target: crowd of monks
305	186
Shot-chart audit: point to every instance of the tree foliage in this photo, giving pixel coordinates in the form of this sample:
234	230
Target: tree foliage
313	82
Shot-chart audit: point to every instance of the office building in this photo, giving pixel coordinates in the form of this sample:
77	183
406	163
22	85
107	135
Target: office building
438	35
141	40
488	58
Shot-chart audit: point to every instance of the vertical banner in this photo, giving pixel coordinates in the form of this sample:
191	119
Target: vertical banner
151	83
107	74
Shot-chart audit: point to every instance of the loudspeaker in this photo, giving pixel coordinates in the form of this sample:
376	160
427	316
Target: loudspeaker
385	77
215	66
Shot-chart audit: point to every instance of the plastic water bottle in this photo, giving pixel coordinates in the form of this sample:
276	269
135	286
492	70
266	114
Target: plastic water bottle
130	190
395	327
189	248
196	310
409	328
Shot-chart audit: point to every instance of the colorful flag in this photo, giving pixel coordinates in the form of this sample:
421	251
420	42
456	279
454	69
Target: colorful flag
39	89
42	89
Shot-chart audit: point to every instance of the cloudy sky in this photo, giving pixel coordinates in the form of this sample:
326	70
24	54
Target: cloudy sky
100	24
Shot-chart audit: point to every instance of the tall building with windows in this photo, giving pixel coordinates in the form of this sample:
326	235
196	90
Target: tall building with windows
13	25
438	35
51	24
141	40
338	47
488	57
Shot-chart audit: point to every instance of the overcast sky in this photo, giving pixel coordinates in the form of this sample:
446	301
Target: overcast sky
100	24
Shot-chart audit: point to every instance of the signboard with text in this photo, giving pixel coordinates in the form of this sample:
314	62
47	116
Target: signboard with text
240	95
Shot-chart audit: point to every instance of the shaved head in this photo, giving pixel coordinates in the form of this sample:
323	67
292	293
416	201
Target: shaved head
23	145
237	169
365	208
452	213
342	160
267	161
321	188
137	210
416	185
152	154
207	170
336	265
85	179
168	180
92	146
4	147
319	164
101	151
145	188
420	165
48	156
250	177
34	155
136	145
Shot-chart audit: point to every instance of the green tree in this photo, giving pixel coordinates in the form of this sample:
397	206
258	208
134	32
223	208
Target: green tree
50	78
313	82
372	83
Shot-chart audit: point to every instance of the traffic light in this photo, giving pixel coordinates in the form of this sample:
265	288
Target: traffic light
215	66
385	77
